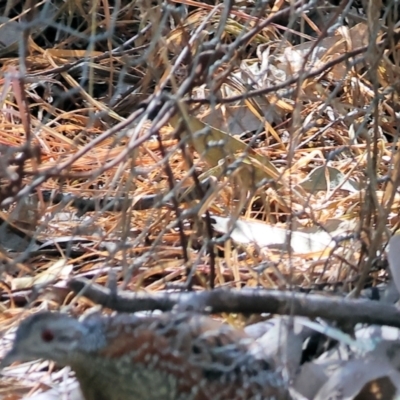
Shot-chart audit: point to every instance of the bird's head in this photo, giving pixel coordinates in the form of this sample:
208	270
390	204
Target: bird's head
46	335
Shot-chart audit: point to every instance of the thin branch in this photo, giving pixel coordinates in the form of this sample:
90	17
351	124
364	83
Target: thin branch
245	301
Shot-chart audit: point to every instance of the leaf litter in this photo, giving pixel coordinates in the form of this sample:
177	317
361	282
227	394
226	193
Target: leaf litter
169	143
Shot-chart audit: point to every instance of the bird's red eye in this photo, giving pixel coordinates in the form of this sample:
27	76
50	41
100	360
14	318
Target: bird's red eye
47	335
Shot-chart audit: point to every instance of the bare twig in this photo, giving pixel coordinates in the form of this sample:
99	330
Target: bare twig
246	301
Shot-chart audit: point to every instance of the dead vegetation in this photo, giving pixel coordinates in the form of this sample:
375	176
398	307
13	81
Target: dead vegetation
188	145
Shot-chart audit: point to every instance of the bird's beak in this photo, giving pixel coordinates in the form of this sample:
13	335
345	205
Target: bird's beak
11	357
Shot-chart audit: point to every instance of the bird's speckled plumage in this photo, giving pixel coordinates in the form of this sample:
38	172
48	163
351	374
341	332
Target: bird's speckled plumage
173	356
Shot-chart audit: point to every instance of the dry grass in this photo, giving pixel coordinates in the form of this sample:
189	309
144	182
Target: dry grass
76	100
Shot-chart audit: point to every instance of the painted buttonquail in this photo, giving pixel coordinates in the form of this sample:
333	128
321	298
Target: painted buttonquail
173	356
